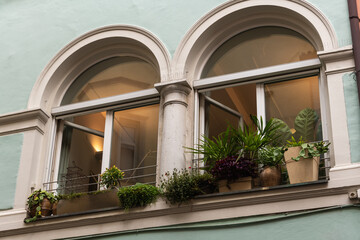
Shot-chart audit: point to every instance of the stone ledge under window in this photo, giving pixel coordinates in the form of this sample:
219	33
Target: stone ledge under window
204	208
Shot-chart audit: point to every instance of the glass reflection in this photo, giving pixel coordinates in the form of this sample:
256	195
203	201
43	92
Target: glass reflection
112	77
258	48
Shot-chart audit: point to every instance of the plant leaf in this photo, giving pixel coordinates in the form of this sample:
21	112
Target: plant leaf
305	123
283	132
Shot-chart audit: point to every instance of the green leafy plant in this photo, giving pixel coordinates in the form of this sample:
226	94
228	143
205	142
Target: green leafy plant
72	196
35	201
294	143
181	186
216	148
111	177
322	147
138	195
306	126
205	183
272	156
311	150
252	138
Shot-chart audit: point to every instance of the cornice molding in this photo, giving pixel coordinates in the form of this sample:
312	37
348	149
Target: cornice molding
181	85
23	121
338	61
336	55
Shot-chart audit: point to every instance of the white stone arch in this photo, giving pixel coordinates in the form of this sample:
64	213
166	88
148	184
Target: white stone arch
89	49
234	17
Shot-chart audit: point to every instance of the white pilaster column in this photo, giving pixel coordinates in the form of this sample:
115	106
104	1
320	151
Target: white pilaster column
174	106
337	62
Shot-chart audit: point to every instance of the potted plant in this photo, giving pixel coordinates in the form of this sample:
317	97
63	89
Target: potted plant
138	195
302	160
271	159
39	204
253	138
216	148
181	186
111	177
249	141
86	201
234	173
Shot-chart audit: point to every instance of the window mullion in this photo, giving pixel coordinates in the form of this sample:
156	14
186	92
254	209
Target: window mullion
107	140
51	152
260	101
59	137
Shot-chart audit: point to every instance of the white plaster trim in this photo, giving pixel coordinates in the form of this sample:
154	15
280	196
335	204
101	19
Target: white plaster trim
201	209
46	85
339	60
179	82
23	121
345	167
337	54
193	51
12	212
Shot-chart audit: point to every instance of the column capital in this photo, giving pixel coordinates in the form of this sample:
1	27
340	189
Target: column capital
181	86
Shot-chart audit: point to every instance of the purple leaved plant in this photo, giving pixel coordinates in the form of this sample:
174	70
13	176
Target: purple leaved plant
233	167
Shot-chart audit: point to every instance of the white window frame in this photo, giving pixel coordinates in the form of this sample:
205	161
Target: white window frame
282	72
110	105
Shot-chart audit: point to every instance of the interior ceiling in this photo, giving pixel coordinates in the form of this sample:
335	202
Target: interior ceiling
258	48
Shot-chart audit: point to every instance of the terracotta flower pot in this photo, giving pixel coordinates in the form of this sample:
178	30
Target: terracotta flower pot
46	207
304	170
270	176
54	208
240	184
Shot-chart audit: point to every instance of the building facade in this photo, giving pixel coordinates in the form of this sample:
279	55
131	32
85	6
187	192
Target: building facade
87	84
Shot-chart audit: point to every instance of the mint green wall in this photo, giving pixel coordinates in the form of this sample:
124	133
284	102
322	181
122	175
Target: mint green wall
10	149
330	225
338	14
33	31
353	114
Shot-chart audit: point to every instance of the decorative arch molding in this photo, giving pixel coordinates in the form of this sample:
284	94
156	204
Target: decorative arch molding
89	49
234	17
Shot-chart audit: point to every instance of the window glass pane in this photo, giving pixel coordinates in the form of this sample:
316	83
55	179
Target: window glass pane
218	120
134	143
241	99
111	77
81	152
258	48
288	100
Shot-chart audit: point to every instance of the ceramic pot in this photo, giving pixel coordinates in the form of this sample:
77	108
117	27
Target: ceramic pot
304	170
240	184
54	208
270	176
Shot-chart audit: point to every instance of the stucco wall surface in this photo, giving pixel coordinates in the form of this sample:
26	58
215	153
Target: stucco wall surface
330	225
10	149
33	31
353	114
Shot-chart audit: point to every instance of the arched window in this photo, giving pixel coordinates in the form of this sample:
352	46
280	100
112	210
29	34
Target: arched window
113	76
271	72
108	116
